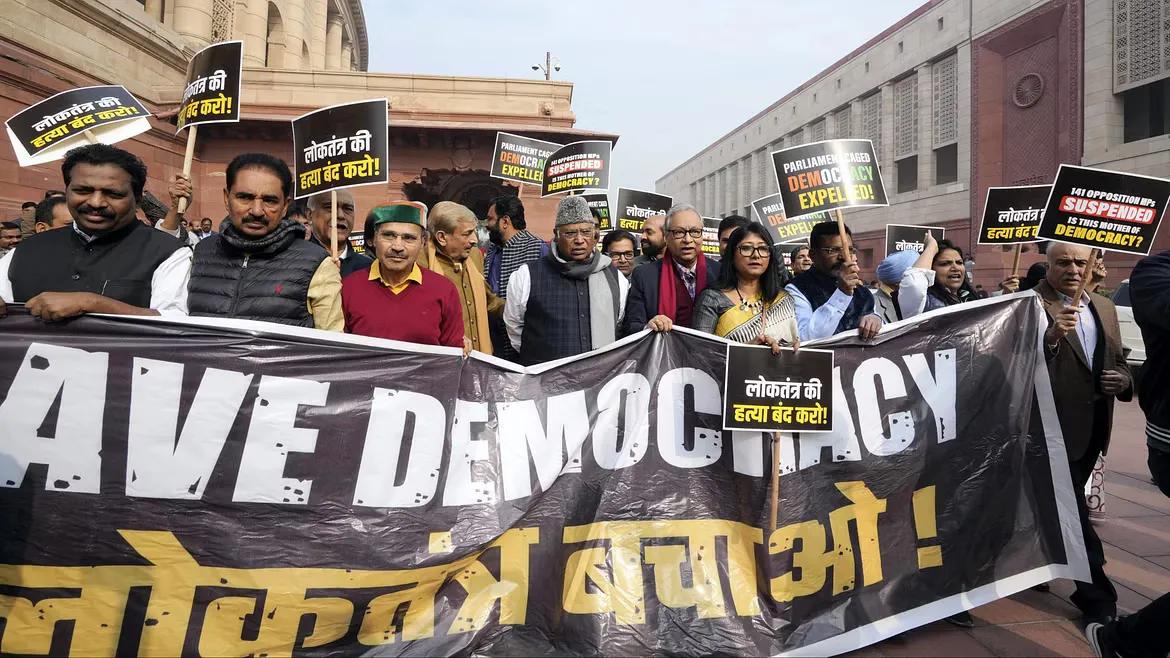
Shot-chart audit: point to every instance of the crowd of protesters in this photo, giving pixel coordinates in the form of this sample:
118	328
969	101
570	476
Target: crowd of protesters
425	280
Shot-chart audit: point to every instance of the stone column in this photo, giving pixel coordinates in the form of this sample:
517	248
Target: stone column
193	20
333	30
925	127
294	35
254	31
886	158
316	36
154	9
346	56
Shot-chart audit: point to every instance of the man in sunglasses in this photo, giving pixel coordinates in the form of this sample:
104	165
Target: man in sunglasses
663	293
830	297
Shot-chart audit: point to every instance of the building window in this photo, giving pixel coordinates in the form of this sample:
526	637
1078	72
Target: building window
940	24
871	121
946	164
901	48
945	101
906	116
818	131
907	174
1147	111
1141	43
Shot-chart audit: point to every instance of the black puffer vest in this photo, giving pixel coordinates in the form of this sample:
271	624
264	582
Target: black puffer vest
264	279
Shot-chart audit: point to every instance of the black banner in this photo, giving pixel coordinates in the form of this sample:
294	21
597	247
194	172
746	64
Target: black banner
791	391
823	176
770	211
599	203
1106	209
635	206
223	487
45	131
341	146
577	167
521	159
908	237
212	94
1011	215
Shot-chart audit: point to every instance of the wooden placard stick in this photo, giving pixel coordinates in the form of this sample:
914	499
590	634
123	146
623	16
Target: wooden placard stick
1016	260
333	224
90	137
1076	301
775	480
187	157
845	242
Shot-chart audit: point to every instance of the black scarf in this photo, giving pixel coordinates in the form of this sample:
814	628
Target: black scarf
818	288
278	240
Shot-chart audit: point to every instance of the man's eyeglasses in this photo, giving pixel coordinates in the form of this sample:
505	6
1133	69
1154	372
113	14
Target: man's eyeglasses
680	233
621	255
837	251
573	234
763	250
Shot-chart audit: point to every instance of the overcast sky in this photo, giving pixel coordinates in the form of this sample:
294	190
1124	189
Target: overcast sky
668	77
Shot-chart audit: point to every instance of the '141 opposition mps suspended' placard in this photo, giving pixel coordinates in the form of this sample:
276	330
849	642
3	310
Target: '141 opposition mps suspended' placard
1105	209
46	131
341	146
577	167
789	392
212	94
822	176
1011	215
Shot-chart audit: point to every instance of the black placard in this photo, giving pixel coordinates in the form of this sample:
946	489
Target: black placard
792	391
45	131
599	203
823	176
635	206
341	146
521	159
212	94
770	211
711	237
1012	215
577	167
907	237
1106	209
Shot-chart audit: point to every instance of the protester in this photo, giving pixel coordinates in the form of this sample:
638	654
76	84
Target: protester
395	298
801	261
890	272
829	296
747	303
320	210
28	217
570	301
451	251
1088	371
663	293
727	226
172	222
939	279
653	239
107	262
10	236
980	293
49	194
52	213
620	246
1100	273
511	247
205	228
259	266
299	213
1034	276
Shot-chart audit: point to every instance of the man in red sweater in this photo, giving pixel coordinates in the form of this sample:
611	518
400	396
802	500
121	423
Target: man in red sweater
395	298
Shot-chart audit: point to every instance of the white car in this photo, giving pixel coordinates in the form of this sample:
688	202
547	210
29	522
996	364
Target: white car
1131	335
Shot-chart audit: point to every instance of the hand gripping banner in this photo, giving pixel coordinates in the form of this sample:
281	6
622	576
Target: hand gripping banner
223	488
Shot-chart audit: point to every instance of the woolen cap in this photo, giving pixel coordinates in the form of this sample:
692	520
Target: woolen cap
574	210
401	212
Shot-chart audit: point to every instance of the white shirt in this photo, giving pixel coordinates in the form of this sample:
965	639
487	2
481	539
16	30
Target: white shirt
1086	326
517	303
912	290
823	321
192	239
168	284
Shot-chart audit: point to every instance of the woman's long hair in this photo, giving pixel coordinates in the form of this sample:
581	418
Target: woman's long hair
771	281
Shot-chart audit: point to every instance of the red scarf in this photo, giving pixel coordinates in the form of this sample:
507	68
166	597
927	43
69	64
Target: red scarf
666	302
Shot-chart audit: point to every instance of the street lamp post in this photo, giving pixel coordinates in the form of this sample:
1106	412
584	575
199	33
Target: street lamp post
550	64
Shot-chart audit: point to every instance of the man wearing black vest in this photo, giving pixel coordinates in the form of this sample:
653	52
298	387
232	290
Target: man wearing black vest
320	215
830	297
108	261
570	301
259	266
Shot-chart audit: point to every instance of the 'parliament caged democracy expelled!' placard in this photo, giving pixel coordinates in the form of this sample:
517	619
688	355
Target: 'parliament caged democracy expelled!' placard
822	176
770	210
1106	209
521	159
341	146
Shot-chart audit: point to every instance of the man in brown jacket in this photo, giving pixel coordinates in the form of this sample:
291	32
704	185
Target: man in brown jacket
1088	370
452	252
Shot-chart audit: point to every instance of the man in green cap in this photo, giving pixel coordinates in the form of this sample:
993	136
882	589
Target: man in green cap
395	298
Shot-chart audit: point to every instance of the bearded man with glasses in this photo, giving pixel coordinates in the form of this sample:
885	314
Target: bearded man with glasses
830	297
663	293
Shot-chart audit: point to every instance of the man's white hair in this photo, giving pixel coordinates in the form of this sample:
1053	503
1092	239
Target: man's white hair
680	208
